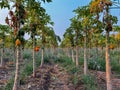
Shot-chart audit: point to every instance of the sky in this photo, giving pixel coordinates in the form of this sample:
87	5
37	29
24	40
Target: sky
61	13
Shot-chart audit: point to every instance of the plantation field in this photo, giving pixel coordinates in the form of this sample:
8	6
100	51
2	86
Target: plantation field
79	50
59	72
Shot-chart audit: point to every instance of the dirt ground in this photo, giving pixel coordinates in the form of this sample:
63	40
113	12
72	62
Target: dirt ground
54	77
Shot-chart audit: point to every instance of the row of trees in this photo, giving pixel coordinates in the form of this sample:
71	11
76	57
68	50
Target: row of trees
27	16
87	30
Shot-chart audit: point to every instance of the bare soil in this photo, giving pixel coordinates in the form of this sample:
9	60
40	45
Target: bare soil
49	77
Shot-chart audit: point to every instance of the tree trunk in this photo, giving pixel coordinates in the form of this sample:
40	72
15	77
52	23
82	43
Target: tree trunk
52	50
96	52
77	63
68	53
119	50
73	55
34	66
85	56
108	66
2	53
2	57
42	58
16	79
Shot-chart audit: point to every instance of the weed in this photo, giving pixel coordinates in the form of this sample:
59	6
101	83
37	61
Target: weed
9	84
89	82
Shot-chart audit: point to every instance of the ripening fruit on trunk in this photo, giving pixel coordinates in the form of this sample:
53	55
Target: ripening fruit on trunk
17	42
37	48
111	46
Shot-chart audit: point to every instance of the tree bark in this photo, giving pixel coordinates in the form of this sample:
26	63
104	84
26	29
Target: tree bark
77	63
2	57
108	66
96	57
16	79
42	58
73	55
34	66
2	53
85	56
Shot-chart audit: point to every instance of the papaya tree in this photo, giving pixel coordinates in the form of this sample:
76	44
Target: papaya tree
34	12
15	20
85	17
76	26
108	21
44	34
35	21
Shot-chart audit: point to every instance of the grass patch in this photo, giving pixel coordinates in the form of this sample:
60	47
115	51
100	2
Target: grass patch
98	64
27	70
27	54
115	66
75	80
89	82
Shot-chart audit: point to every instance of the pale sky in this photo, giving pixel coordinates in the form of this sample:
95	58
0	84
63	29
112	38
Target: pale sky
3	14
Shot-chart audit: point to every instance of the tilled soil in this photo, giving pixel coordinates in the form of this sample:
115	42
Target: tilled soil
49	77
5	74
55	77
101	80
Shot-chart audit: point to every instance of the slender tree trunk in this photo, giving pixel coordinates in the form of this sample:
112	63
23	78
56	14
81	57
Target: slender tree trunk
119	50
85	55
53	50
16	79
68	53
73	54
96	51
1	56
34	66
42	58
108	66
2	53
77	63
